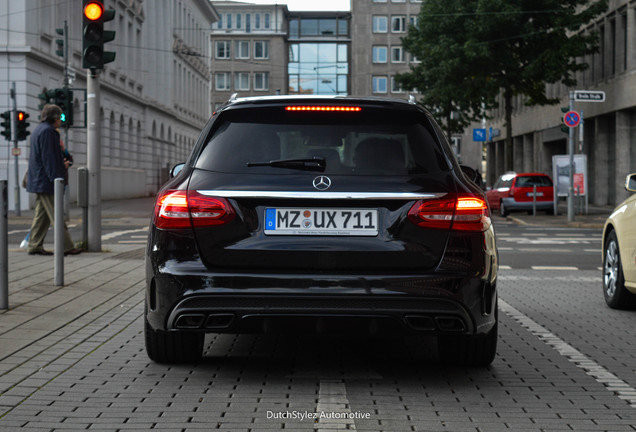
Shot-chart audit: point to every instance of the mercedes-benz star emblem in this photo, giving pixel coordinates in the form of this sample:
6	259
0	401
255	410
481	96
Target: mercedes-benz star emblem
322	183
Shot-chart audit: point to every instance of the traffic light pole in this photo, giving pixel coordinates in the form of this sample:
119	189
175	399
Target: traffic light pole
94	164
571	154
14	137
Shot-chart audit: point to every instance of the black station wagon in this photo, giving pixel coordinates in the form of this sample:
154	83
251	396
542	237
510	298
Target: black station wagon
328	214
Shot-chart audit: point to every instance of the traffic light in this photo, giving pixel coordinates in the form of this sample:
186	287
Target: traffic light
64	99
23	125
6	125
47	97
94	36
60	42
565	129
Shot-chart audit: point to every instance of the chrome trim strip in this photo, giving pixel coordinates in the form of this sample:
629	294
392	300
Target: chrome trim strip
321	195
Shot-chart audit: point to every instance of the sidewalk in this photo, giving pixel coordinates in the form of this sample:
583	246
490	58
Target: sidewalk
48	328
595	218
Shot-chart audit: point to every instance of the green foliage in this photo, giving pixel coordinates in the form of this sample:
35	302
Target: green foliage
473	50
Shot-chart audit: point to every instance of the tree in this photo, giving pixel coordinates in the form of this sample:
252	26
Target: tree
474	50
444	76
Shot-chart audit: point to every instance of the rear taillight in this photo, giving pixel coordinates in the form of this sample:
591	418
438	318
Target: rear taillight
180	209
463	212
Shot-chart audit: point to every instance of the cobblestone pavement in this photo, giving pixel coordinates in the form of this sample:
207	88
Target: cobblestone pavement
73	358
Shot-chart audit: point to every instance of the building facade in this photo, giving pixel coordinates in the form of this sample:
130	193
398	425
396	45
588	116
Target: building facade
249	50
608	135
154	96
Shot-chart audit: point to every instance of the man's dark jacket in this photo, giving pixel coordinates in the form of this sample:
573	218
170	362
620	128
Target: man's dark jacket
46	162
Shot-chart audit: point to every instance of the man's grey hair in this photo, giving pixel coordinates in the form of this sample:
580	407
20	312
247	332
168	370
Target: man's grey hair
50	113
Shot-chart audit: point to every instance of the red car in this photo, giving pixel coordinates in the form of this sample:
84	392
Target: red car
515	192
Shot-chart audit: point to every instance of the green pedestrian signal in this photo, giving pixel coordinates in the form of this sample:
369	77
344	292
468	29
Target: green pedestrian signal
64	99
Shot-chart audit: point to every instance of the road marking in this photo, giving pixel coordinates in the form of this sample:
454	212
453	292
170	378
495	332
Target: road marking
504	267
333	407
121	233
611	382
132	241
553	268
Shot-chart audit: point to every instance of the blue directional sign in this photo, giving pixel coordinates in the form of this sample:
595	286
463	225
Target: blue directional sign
479	134
572	119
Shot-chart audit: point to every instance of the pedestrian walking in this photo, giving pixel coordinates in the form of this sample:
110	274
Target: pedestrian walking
46	163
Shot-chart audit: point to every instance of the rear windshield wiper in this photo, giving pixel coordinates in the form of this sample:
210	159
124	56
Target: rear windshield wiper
313	164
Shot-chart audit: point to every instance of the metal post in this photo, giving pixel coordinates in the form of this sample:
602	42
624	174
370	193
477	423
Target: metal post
571	153
4	246
94	165
14	137
58	231
534	200
67	212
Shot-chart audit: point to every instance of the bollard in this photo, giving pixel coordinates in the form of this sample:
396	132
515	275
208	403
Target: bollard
4	246
58	231
82	201
534	200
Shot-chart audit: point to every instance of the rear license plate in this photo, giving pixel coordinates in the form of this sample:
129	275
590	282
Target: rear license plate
531	194
321	221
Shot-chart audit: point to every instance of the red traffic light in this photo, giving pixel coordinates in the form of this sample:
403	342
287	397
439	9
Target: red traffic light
93	11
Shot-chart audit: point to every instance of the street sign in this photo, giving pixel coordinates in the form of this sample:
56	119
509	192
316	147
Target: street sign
589	96
479	134
572	119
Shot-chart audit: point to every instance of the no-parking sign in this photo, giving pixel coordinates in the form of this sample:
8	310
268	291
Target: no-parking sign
572	119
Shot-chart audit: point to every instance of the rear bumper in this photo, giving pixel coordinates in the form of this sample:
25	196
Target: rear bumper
308	303
512	205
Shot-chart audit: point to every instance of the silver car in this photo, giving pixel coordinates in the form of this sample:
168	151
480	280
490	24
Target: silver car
619	252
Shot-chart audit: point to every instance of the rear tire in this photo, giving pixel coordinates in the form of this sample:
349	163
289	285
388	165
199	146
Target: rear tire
614	291
465	350
503	211
173	347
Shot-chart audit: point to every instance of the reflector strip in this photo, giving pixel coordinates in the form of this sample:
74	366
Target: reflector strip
322	108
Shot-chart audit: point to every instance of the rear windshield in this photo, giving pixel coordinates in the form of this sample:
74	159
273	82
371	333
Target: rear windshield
377	142
530	181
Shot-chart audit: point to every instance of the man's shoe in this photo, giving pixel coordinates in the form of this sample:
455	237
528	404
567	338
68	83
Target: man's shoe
40	252
74	251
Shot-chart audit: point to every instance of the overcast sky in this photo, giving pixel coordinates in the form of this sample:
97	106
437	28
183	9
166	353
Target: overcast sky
308	5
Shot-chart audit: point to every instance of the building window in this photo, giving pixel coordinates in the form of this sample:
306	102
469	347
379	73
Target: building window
239	23
398	24
228	21
266	18
257	21
222	49
248	23
379	1
379	84
261	81
242	49
379	54
380	24
413	20
242	81
222	81
397	54
395	87
261	49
